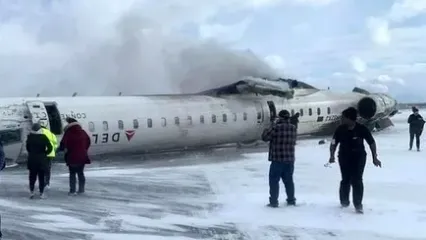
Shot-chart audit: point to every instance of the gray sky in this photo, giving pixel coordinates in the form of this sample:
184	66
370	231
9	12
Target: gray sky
143	46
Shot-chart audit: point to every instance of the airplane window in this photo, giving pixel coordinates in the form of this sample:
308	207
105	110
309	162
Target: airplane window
245	116
189	120
91	126
149	122
319	111
120	124
10	136
177	121
224	118
163	122
213	118
201	119
310	111
135	124
292	112
235	117
105	125
328	110
301	112
259	115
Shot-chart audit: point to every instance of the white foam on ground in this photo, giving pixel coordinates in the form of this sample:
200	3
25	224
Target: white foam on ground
29	207
62	221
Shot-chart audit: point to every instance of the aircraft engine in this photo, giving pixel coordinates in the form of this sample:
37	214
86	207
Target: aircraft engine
376	106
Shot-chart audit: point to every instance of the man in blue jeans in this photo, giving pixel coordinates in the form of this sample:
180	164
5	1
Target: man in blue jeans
281	136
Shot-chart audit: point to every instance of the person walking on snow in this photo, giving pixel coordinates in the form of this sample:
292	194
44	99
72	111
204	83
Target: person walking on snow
76	142
51	156
38	147
350	135
281	136
416	127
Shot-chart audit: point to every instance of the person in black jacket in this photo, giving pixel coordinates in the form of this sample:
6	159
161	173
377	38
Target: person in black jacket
295	119
416	127
38	146
350	136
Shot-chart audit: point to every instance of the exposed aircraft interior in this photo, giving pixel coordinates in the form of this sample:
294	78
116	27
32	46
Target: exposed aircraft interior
262	86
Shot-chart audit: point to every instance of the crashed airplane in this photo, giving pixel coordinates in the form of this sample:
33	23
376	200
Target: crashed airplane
236	113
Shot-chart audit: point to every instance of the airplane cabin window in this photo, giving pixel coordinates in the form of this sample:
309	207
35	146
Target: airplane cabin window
201	119
235	117
310	111
149	122
189	120
163	122
120	124
177	122
301	112
292	112
245	116
91	126
105	125
135	124
224	117
10	136
328	110
259	115
213	118
319	111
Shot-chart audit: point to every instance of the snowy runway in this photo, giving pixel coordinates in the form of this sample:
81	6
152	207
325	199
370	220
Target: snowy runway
225	200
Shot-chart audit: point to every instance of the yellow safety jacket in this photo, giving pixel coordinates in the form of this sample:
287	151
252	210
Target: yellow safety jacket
53	141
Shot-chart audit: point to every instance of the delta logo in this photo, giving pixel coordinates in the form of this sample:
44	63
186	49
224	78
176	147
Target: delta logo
130	134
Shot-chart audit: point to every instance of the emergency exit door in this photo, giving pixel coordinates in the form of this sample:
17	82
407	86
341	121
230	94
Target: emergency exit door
38	113
272	110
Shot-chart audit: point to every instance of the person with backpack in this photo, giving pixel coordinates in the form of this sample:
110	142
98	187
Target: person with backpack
38	147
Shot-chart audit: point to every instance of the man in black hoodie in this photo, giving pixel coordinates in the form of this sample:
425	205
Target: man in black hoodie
38	147
416	127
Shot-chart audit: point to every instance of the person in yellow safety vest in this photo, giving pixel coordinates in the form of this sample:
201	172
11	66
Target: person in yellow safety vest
52	154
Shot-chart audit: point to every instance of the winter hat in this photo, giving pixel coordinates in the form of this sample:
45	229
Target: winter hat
70	120
36	127
284	114
350	113
415	109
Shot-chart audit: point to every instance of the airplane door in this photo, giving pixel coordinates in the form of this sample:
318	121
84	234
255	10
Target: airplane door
272	110
38	113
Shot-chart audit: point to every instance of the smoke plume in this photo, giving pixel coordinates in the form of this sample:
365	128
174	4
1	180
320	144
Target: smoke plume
106	47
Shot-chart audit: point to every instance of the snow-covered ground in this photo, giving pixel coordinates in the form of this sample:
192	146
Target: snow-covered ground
225	199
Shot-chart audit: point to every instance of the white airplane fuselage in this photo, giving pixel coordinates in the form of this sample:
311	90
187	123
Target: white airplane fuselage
131	124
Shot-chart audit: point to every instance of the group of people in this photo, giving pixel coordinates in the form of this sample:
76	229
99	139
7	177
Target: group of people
42	147
349	136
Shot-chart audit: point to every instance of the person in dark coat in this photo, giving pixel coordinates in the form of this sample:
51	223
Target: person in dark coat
76	144
416	127
281	136
350	137
38	146
2	157
295	119
2	166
